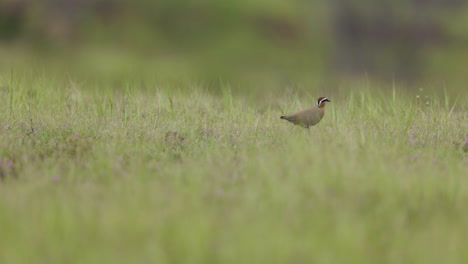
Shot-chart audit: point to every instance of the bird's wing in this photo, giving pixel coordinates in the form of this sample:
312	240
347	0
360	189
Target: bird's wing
299	118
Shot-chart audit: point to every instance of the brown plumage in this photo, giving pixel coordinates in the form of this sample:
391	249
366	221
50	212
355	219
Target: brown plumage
310	116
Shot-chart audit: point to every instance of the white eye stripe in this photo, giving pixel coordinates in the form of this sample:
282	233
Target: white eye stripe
321	101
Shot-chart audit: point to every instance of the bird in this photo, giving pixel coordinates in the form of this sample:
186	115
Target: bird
310	116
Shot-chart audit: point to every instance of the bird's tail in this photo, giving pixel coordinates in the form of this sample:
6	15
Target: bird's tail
282	117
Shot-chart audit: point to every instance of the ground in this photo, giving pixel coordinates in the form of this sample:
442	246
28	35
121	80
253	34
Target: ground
91	174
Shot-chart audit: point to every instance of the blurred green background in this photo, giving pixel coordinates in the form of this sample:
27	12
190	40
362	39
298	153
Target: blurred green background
252	45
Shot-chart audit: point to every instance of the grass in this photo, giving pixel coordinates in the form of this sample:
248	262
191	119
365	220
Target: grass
92	174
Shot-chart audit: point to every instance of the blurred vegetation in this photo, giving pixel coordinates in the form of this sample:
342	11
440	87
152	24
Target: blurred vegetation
115	146
257	43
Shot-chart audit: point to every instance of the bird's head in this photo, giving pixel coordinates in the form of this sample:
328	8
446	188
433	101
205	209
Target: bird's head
321	101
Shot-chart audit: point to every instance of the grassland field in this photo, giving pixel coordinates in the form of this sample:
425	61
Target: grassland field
162	174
